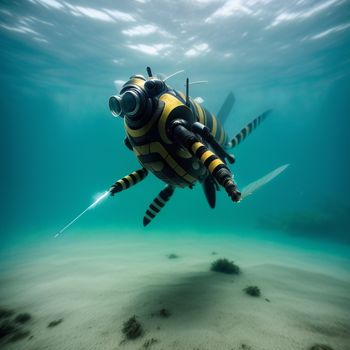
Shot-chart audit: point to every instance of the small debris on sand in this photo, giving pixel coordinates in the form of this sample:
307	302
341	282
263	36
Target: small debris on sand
172	256
147	344
245	347
321	347
165	313
54	323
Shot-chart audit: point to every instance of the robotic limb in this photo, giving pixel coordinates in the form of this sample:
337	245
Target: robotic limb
128	181
204	131
218	169
157	204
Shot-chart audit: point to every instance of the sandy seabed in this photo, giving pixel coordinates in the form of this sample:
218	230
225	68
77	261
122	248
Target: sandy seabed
95	281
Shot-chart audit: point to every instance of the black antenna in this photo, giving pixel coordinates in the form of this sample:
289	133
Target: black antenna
149	72
187	93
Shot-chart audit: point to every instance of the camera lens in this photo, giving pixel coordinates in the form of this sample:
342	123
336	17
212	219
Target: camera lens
130	102
115	106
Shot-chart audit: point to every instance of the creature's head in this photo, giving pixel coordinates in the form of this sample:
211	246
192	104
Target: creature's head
138	99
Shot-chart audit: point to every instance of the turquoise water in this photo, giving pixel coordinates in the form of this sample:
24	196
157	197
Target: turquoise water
61	60
60	145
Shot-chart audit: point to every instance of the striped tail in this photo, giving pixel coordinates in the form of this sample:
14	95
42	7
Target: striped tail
128	181
248	129
157	204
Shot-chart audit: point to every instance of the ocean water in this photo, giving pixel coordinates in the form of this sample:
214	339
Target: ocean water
60	145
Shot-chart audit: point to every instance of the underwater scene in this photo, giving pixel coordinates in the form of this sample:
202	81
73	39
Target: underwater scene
175	175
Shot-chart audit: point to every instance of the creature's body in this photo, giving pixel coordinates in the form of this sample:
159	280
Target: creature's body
150	142
176	139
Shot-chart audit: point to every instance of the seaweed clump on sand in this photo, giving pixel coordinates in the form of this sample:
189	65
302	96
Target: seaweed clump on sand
225	266
147	344
172	256
6	313
19	335
321	347
23	318
132	328
6	328
9	328
245	347
253	291
165	313
54	323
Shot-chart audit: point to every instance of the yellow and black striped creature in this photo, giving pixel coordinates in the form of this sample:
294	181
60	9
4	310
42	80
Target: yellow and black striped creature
176	139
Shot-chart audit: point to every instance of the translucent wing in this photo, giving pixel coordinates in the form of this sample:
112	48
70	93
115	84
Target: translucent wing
226	107
253	186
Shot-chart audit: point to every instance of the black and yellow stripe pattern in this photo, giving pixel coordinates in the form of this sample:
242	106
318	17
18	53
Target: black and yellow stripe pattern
157	204
248	129
128	181
208	119
217	168
157	152
156	158
209	159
